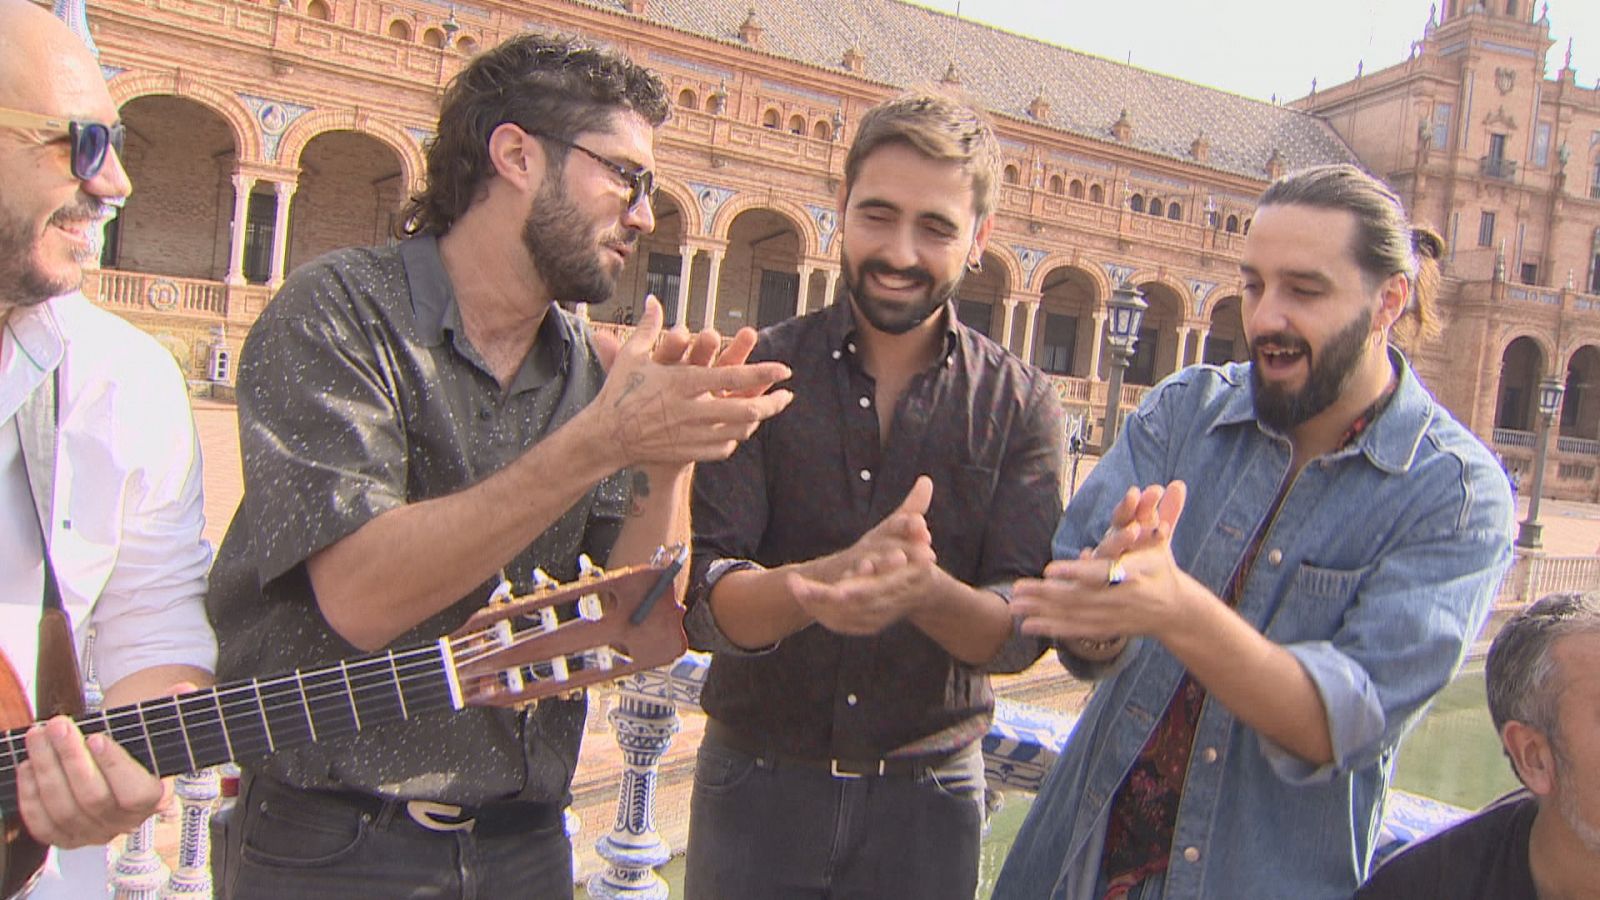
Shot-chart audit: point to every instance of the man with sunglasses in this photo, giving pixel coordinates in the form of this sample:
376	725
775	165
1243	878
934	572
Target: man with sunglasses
100	507
420	421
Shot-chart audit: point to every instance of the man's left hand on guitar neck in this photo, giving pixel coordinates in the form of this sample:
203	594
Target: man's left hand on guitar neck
74	791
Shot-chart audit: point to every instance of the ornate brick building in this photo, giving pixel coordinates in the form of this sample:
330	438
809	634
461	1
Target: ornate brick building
262	134
1506	164
266	132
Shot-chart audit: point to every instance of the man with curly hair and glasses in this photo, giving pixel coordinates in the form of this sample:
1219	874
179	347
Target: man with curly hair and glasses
420	421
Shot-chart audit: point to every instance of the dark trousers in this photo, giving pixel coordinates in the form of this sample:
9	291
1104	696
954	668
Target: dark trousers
759	828
280	843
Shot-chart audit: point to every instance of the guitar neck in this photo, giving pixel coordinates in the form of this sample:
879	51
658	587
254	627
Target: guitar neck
250	719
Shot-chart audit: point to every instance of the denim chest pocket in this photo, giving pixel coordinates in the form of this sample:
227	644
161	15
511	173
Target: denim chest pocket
1316	603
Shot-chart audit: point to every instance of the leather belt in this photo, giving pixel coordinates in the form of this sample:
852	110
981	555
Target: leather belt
884	767
489	820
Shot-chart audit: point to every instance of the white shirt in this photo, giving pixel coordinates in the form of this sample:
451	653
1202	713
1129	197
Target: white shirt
125	537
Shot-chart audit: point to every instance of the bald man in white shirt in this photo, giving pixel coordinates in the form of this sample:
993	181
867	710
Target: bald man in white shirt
98	457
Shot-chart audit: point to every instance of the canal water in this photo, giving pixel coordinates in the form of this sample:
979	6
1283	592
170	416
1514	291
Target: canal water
1453	755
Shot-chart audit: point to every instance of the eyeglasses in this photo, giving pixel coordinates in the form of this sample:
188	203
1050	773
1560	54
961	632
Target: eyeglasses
90	140
641	182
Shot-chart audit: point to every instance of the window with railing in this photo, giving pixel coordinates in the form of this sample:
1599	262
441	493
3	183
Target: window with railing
661	279
1060	339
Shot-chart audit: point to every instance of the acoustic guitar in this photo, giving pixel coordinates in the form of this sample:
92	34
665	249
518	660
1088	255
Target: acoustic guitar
513	652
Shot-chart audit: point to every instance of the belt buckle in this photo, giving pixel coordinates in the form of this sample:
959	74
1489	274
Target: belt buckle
833	767
427	814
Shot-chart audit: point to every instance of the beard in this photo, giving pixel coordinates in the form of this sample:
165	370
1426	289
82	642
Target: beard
1588	833
1331	367
23	279
565	253
889	316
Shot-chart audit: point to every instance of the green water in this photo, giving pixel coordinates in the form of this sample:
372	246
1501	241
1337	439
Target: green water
1453	755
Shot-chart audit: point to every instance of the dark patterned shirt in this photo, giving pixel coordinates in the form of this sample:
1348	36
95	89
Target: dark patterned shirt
359	393
984	426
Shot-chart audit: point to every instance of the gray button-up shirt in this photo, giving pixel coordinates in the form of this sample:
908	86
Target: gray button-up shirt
359	393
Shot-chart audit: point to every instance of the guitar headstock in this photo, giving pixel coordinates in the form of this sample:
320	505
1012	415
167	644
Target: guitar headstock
517	650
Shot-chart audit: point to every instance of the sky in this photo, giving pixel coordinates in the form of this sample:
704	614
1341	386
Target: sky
1259	48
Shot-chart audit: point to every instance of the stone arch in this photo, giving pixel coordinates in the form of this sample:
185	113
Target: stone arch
399	29
1580	405
687	99
745	201
1185	296
434	37
316	122
1097	194
1070	293
1010	265
351	188
246	132
1225	339
1157	354
1525	357
1075	189
684	199
1060	260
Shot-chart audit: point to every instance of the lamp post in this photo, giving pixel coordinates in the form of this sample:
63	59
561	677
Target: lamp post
1550	391
1127	308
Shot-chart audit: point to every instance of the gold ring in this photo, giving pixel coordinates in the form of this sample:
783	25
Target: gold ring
1116	574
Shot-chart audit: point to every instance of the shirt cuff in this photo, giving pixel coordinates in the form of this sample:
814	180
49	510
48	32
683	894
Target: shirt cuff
1355	716
1086	670
701	625
1020	650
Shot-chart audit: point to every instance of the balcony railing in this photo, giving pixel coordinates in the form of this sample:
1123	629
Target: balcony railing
1497	167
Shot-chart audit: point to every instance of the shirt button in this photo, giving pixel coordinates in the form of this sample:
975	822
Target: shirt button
866	402
1275	556
837	354
1209	755
866	474
850	699
485	413
851	346
1192	854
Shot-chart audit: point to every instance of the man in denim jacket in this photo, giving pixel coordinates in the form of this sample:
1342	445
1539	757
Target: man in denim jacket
1269	623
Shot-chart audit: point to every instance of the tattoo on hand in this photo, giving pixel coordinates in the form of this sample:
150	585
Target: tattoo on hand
634	380
641	491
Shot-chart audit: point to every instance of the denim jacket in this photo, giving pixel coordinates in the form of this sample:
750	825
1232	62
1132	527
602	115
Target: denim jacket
1377	573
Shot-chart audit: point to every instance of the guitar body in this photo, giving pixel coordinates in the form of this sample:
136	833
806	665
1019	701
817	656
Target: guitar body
21	857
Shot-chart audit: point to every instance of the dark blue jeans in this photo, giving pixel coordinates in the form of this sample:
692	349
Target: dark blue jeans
278	843
760	829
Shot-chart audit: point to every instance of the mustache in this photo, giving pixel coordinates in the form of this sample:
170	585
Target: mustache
88	209
1279	341
913	273
624	237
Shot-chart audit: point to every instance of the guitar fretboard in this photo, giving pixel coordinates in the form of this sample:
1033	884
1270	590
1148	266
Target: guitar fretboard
249	719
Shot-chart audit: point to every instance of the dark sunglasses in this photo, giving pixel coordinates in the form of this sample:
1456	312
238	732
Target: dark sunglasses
641	182
90	140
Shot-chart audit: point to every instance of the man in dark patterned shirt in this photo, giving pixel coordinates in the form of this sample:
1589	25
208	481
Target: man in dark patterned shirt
851	560
418	422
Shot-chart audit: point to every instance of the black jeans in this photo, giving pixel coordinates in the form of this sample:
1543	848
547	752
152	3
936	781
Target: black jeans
761	829
280	843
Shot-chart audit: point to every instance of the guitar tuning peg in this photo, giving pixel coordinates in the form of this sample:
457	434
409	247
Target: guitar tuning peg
527	705
542	580
587	569
502	592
